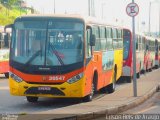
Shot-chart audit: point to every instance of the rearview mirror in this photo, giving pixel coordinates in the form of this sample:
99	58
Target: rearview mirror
8	26
92	40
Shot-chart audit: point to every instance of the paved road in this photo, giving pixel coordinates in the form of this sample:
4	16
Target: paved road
16	104
151	106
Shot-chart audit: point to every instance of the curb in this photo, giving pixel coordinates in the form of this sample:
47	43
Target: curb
112	110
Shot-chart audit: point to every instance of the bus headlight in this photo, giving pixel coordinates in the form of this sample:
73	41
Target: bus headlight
15	77
75	78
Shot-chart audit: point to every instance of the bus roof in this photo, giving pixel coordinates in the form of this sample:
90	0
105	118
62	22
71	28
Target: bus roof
86	19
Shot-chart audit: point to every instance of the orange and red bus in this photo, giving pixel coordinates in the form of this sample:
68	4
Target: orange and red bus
4	51
63	56
157	52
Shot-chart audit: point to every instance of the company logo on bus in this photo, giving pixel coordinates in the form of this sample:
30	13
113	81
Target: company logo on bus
44	78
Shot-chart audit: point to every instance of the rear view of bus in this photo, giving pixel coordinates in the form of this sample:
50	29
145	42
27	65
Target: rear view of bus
4	52
127	55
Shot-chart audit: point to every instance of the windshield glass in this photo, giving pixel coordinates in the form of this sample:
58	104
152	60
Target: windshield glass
126	43
49	43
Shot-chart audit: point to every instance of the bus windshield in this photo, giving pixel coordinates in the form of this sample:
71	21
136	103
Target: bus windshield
126	42
49	43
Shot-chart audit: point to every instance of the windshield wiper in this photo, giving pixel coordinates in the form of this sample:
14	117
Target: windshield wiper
33	57
56	53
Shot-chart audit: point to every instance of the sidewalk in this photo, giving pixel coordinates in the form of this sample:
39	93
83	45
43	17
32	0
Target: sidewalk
119	101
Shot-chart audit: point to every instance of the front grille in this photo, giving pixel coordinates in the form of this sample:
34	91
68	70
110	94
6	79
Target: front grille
52	91
43	83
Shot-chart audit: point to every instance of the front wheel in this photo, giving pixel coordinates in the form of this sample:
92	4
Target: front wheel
89	97
32	99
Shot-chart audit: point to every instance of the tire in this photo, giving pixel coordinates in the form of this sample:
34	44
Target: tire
32	99
128	79
156	66
138	75
111	88
89	97
6	75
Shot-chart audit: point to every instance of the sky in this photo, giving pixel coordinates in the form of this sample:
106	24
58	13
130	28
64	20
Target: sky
114	11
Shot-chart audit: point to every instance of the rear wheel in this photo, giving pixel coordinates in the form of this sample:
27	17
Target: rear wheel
6	75
138	75
156	66
128	79
111	88
32	99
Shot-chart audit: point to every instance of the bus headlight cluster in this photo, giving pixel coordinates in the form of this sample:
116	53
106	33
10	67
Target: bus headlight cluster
15	77
75	78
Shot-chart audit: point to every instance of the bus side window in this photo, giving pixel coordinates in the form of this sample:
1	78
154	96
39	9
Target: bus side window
103	38
95	31
115	40
109	38
1	40
6	40
120	41
87	44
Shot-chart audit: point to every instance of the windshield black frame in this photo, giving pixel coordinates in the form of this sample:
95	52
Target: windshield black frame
44	69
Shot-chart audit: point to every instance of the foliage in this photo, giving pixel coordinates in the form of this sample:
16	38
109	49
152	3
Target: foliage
7	16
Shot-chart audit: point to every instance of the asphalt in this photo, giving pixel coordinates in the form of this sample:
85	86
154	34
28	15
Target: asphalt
117	102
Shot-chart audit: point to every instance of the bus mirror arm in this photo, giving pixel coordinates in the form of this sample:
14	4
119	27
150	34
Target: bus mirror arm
8	26
92	40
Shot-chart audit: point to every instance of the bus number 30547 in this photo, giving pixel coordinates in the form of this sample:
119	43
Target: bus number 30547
56	77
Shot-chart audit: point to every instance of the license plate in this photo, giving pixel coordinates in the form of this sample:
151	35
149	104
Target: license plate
45	88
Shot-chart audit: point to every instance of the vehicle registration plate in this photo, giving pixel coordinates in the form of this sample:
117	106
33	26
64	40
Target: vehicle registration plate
45	88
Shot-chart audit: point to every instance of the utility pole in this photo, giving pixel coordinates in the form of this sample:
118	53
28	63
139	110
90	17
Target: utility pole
132	10
89	7
54	6
149	22
159	19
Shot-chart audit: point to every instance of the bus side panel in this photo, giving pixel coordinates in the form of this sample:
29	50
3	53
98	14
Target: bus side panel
94	66
139	61
97	62
4	67
107	67
88	73
118	60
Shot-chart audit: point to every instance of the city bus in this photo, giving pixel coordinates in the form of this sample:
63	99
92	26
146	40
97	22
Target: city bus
141	56
157	52
64	56
4	51
150	53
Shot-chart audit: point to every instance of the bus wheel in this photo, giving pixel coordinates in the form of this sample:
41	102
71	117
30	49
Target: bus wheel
6	75
138	75
89	97
32	99
129	79
112	86
156	66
